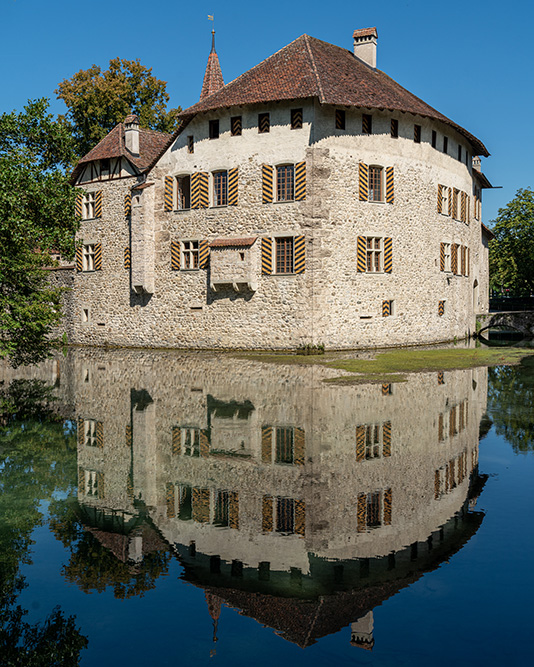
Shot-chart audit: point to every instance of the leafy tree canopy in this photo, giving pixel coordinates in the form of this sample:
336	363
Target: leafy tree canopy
97	100
512	249
36	216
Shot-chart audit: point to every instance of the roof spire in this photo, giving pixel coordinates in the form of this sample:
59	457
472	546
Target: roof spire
213	78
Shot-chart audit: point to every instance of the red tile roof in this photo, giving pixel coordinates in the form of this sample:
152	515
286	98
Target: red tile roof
311	68
365	32
213	78
224	243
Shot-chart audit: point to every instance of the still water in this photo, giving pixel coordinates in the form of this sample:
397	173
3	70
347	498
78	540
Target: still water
198	508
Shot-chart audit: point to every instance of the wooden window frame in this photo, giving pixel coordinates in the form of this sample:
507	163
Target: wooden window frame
340	119
447	266
183	194
189	260
88	257
417	134
374	254
376	183
285	182
89	432
236	126
88	205
284	247
220	188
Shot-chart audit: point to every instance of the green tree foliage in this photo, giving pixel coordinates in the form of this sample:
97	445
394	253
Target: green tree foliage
512	249
36	215
97	100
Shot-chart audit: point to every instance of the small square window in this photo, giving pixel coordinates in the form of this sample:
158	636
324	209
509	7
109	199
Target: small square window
445	144
190	144
417	134
236	126
264	123
296	119
367	124
340	119
214	129
394	128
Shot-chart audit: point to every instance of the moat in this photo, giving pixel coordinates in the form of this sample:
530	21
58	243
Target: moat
208	508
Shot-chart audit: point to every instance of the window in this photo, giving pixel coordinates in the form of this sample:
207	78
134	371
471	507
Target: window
367	123
445	259
434	138
185	508
445	144
88	257
190	441
387	308
285	182
183	193
189	255
374	254
221	517
88	205
220	188
284	445
374	509
375	183
190	144
443	199
89	432
236	126
284	254
394	128
296	119
214	129
86	315
340	119
91	483
459	153
285	515
417	134
264	124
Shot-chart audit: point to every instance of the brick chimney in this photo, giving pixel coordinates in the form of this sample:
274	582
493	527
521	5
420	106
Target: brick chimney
131	133
365	45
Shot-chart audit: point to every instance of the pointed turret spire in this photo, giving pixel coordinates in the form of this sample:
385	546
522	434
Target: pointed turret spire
213	79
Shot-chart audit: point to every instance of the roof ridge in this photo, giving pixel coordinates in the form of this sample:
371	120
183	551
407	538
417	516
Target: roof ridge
314	67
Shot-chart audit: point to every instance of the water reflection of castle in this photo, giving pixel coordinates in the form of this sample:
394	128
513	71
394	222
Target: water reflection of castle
300	503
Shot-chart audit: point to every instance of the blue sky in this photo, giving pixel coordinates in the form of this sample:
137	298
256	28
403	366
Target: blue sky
471	60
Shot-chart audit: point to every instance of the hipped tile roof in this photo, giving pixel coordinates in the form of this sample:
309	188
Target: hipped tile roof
311	68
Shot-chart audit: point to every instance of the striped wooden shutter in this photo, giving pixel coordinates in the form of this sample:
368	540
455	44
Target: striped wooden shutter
386	389
100	435
233	509
361	512
360	443
98	204
468	207
364	181
299	446
441	308
199	190
203	254
388	500
98	257
176	440
128	435
168	195
463	216
266	443
175	255
388	255
454	258
300	517
299	254
267	183
101	491
78	204
449	199
361	254
127	258
204	443
440	199
266	256
233	178
390	189
440	428
80	433
300	181
442	257
467	261
201	505
441	378
81	482
386	439
462	260
79	259
127	204
386	308
267	514
170	500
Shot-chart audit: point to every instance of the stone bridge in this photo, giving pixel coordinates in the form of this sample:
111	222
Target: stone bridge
520	320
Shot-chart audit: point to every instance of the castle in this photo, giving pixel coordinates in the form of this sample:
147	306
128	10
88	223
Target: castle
312	200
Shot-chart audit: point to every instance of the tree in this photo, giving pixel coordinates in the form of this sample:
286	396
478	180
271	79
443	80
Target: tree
98	100
36	216
512	249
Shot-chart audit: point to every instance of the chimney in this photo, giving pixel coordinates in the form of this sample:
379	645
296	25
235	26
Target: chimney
477	163
131	133
365	45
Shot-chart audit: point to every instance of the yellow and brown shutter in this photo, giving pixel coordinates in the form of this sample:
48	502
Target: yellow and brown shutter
440	198
266	256
168	194
100	435
175	255
300	181
233	509
388	502
266	443
128	435
170	500
300	517
127	258
442	257
363	172
199	190
463	211
79	258
361	254
454	258
78	204
360	442
386	439
127	204
98	257
203	254
204	444
101	491
299	446
388	255
98	204
449	199
81	481
267	183
361	512
267	514
233	178
299	254
80	432
390	185
176	440
201	505
386	308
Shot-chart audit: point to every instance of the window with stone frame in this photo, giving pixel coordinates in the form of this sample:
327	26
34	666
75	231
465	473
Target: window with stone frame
445	194
285	182
220	188
88	205
446	255
284	251
374	254
88	257
376	183
190	441
89	432
183	192
189	259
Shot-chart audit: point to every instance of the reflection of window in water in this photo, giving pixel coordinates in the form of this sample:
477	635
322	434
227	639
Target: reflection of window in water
373	441
89	427
190	441
91	483
285	515
185	510
284	445
374	509
221	508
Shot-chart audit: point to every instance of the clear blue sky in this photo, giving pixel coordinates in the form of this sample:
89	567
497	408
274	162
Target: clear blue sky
473	61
